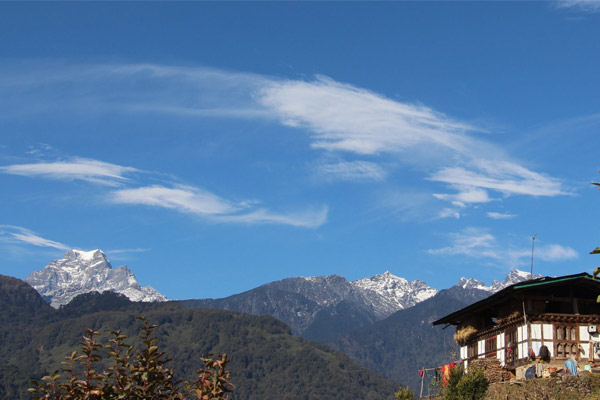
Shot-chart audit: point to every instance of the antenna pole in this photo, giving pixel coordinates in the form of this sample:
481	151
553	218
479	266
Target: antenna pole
532	247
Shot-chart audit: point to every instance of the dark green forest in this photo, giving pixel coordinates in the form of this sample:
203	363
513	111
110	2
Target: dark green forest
402	344
267	362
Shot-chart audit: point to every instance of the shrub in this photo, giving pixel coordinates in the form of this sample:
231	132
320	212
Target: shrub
470	386
133	373
404	394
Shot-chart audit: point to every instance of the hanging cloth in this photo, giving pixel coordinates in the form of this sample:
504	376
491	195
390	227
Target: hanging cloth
446	373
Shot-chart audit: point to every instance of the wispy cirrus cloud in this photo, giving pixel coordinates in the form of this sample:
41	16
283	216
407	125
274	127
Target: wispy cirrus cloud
449	213
190	200
466	196
497	215
345	119
502	176
342	117
182	198
592	6
472	242
17	234
304	219
74	169
127	251
338	118
352	171
481	244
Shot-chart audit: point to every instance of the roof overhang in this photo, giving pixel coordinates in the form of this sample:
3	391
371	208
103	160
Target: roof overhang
516	290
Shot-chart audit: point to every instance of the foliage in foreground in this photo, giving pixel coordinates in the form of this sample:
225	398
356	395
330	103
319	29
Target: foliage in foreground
470	386
131	374
404	394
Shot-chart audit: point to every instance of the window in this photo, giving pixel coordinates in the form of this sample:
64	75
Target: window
490	347
566	341
510	346
472	349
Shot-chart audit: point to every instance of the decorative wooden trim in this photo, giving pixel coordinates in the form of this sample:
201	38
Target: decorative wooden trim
567	318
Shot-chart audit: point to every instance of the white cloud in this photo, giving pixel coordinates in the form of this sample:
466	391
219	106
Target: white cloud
343	118
555	252
137	88
306	219
449	213
127	251
12	234
199	202
503	176
479	243
337	117
347	118
592	6
497	215
75	169
353	171
467	196
181	198
473	242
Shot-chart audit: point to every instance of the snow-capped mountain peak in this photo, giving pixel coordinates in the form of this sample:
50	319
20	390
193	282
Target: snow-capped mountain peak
514	276
85	255
87	271
387	293
472	283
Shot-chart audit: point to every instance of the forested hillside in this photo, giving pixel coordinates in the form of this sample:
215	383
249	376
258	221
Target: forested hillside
266	361
402	344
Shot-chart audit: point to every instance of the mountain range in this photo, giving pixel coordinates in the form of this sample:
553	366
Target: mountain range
383	322
267	362
323	308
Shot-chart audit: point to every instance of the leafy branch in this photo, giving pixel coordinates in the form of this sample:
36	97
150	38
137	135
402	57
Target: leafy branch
133	373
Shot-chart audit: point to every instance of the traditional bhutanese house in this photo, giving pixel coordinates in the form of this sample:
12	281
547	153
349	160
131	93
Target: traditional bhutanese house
560	313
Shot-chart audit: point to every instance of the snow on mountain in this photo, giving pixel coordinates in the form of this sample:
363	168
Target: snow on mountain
87	271
472	283
514	276
386	293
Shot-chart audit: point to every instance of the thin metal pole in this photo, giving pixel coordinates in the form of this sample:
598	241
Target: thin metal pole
422	378
532	247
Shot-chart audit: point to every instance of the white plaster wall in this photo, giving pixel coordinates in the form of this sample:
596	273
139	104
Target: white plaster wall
548	331
463	352
481	348
500	356
522	333
523	351
584	336
536	331
584	350
500	341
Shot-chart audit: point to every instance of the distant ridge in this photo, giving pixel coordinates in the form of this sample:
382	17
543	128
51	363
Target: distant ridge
303	301
514	276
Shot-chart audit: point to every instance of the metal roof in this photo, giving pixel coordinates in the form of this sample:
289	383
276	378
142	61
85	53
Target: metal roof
512	290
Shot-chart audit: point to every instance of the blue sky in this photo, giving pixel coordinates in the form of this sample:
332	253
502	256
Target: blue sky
215	147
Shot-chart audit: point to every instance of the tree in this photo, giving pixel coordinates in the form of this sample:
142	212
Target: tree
470	386
131	373
404	394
